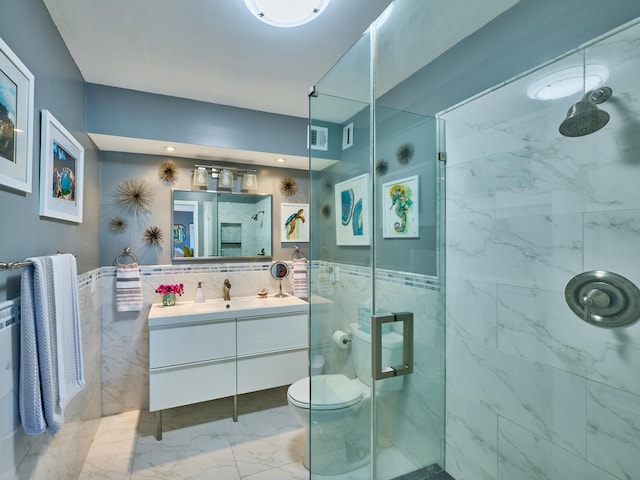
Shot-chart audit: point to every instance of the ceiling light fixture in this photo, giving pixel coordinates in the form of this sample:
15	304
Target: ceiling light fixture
286	13
280	160
169	148
567	82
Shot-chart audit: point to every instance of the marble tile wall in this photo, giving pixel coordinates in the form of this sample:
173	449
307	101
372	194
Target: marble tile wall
44	456
533	392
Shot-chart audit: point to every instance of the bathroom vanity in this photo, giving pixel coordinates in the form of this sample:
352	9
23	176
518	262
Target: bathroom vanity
215	349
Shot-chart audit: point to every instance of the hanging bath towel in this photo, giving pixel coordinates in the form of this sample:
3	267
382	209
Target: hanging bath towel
51	368
300	278
128	288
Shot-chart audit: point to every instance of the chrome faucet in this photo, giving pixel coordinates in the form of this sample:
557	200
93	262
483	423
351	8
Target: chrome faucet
226	290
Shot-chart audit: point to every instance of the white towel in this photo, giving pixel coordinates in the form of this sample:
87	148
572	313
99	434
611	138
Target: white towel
300	278
128	288
51	368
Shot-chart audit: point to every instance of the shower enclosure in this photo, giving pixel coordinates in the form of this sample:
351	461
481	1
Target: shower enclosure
377	256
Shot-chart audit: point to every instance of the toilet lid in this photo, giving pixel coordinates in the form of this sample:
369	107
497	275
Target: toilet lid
329	392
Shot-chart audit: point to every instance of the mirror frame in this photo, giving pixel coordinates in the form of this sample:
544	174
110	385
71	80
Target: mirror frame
201	259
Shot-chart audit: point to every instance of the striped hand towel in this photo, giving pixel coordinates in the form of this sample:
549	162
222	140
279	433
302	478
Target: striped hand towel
128	288
300	278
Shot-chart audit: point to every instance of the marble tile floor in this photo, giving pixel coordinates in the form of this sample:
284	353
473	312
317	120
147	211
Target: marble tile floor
201	441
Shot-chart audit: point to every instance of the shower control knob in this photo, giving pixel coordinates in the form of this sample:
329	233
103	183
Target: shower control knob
594	300
603	299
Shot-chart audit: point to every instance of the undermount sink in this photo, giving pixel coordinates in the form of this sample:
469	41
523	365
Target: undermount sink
189	311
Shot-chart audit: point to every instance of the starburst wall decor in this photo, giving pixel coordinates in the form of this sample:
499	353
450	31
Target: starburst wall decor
135	196
153	236
168	172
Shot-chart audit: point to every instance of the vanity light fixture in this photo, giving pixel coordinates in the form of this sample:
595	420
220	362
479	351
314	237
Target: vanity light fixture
200	177
226	177
249	182
286	13
225	180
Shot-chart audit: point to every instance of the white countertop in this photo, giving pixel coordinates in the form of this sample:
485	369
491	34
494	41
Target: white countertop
218	309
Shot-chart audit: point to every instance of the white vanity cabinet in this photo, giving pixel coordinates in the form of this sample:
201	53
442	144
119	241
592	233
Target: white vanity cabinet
216	349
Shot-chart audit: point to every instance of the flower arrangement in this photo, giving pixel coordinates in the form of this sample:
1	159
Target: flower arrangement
177	289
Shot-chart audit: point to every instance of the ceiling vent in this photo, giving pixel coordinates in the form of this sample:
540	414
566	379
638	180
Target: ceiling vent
319	138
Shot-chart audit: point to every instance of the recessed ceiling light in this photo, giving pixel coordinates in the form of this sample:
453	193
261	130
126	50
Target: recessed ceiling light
169	148
280	160
568	81
286	13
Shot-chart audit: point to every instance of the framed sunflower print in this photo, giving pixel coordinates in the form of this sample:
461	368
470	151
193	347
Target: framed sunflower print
16	121
400	217
352	211
61	171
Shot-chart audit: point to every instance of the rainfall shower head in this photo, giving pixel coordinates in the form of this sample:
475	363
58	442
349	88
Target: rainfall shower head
585	117
255	215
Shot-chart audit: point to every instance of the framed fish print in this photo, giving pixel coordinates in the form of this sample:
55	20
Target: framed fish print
61	171
400	217
352	211
16	121
294	222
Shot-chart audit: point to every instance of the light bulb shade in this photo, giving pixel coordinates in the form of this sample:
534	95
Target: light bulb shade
286	13
225	180
200	177
249	182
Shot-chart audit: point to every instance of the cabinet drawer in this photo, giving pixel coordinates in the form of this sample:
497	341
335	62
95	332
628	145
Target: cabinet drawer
175	386
191	342
272	333
273	370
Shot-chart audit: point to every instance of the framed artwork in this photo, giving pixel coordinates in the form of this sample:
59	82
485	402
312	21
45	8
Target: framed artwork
61	171
400	217
294	222
352	211
16	121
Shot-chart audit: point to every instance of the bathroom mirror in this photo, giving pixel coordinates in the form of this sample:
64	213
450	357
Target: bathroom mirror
209	225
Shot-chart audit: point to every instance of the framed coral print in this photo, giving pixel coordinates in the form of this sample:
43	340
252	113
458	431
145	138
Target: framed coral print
61	171
16	121
400	217
352	211
294	222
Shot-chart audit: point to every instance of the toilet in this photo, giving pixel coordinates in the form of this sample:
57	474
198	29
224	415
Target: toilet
340	412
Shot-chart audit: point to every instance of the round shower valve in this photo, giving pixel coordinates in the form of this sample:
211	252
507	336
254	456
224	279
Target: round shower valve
604	299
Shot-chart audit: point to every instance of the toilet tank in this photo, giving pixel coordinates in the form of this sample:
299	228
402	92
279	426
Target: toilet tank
391	355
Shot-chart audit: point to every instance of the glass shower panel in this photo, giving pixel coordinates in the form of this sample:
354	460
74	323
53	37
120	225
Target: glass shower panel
340	414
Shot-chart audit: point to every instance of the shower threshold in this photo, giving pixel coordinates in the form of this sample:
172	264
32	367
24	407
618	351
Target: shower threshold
431	472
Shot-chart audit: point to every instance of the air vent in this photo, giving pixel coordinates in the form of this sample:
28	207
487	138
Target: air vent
319	138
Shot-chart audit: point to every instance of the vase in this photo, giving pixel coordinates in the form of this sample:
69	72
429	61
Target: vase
168	299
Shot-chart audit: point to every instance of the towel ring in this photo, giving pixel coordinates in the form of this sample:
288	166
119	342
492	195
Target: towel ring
127	252
297	253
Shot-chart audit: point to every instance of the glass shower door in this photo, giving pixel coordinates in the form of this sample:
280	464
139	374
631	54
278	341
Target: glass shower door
377	226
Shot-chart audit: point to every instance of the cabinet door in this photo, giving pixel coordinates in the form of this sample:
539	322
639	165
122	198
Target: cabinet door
174	386
272	370
180	344
272	333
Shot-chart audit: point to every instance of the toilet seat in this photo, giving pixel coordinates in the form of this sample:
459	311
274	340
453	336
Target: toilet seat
331	392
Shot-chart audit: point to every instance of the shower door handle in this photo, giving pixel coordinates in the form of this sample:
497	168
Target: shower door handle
378	372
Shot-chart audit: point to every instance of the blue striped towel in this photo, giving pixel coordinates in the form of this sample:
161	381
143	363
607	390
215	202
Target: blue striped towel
128	288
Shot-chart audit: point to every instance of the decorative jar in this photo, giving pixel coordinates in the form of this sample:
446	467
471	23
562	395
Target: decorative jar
169	299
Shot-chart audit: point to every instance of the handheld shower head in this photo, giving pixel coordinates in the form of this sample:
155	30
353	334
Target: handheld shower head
585	117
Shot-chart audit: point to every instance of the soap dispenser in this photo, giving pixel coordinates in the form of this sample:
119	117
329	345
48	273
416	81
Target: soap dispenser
199	293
